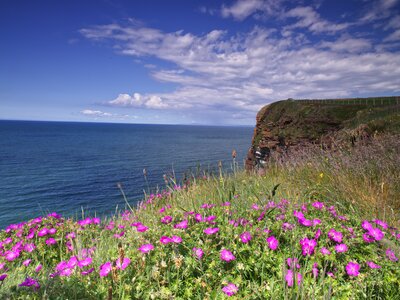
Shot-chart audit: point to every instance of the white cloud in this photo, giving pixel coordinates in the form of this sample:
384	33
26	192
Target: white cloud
311	20
95	113
238	73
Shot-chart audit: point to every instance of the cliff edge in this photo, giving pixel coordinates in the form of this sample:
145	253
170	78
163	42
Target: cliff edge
288	124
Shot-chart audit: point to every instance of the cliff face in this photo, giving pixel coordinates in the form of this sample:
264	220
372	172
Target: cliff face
297	123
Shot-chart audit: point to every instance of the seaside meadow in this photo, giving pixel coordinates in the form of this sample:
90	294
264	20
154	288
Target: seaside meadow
200	150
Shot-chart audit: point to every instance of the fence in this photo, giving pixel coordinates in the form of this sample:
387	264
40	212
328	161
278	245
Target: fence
370	101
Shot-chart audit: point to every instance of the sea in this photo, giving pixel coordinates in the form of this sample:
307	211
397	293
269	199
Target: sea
74	168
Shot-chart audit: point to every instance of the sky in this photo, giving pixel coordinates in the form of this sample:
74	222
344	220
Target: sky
190	61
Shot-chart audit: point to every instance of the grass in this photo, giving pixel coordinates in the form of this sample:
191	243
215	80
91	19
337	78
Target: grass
247	227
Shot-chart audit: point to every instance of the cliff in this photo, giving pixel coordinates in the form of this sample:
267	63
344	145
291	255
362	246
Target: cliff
288	124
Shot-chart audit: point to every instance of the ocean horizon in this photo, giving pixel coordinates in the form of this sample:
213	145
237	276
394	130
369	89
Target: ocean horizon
70	167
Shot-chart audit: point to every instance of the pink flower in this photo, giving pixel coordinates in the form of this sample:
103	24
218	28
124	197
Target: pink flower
381	223
12	255
317	234
318	205
43	232
146	248
341	248
289	278
27	262
315	270
352	269
85	262
52	231
38	268
122	265
51	241
105	269
230	289
61	265
255	207
141	228
376	233
373	265
227	255
165	240
166	220
325	251
303	221
30	282
335	236
198	252
272	242
176	239
391	255
71	235
316	222
366	225
211	230
308	246
29	247
181	225
292	263
73	262
198	217
367	238
245	237
66	272
87	272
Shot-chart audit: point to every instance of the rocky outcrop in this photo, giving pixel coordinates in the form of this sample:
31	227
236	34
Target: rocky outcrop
291	124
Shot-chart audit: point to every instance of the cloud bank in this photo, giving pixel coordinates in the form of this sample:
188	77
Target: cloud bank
238	72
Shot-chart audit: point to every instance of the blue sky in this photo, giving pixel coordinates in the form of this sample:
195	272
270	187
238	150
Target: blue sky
190	62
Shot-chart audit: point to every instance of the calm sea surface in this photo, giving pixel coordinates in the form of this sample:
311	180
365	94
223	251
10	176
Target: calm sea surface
64	167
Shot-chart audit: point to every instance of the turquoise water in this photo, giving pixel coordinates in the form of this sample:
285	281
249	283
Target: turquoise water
64	167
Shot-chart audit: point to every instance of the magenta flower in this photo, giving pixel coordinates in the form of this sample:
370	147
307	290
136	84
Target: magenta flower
211	230
376	233
141	228
2	265
38	268
198	217
27	262
198	252
146	248
71	235
61	265
303	221
166	220
315	270
366	225
255	207
52	231
3	276
391	255
290	276
176	239
335	236
66	272
318	205
317	234
245	237
87	272
293	263
51	241
165	240
43	232
352	269
287	226
85	262
11	255
30	282
73	262
341	248
227	255
381	223
181	225
29	247
105	269
122	265
367	238
373	265
325	251
230	289
272	242
308	246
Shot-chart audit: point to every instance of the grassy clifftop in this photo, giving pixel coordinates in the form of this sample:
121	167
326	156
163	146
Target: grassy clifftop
290	123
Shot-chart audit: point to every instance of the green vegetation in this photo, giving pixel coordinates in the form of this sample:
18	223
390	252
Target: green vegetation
318	224
311	120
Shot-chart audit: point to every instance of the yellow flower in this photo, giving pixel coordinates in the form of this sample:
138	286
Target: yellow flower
321	175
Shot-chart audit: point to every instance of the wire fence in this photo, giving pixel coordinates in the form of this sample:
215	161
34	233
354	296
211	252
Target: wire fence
370	101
